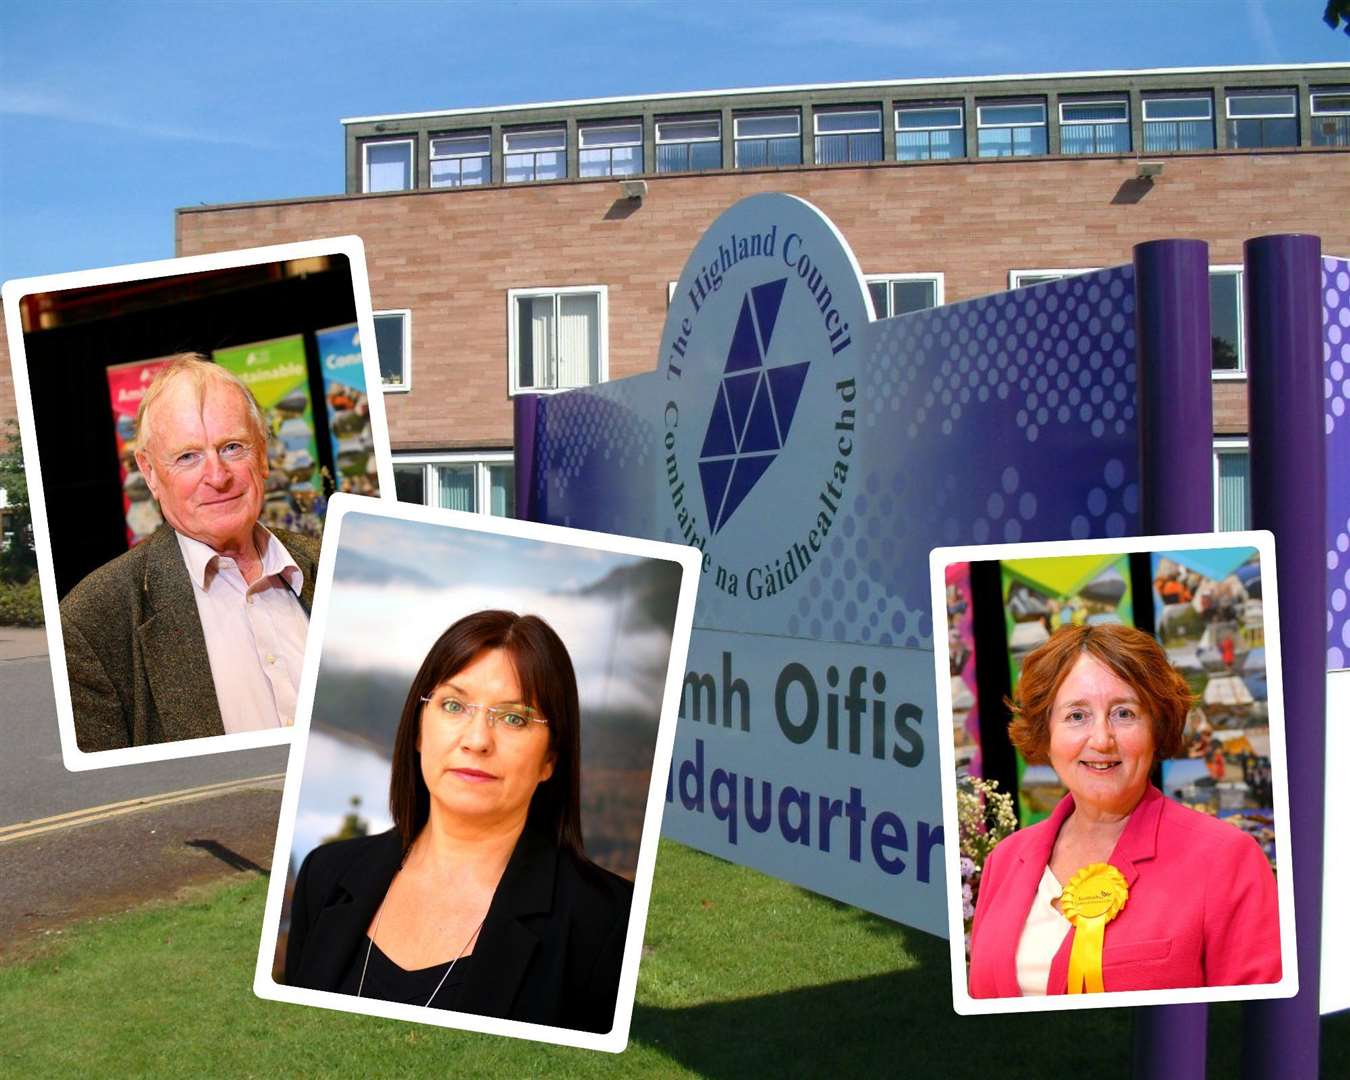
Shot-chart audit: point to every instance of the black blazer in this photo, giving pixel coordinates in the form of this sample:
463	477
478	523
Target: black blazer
549	952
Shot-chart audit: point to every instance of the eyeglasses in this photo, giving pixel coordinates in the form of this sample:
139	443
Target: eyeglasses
510	717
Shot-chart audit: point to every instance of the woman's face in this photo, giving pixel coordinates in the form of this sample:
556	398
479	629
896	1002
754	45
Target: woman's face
1101	739
485	774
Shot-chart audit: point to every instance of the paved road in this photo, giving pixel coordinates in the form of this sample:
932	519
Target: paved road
33	781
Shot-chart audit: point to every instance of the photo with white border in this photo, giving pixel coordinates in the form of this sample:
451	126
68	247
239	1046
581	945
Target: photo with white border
1209	653
84	345
395	582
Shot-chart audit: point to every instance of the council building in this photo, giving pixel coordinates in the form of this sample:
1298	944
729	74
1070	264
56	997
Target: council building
533	248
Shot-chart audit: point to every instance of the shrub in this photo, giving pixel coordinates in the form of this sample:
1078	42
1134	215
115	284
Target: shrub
20	605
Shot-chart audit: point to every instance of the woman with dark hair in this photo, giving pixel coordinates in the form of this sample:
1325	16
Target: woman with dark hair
481	898
1120	888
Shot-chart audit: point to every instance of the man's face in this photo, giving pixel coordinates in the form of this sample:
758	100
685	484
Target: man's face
205	464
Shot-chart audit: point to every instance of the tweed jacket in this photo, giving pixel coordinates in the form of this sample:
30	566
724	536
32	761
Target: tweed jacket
135	650
1202	907
551	947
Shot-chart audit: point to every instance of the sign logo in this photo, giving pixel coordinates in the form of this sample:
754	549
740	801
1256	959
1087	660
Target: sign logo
753	409
758	347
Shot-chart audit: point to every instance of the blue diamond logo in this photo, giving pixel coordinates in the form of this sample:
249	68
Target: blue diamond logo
753	408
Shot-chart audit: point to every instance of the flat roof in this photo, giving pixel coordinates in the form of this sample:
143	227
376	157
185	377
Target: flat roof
870	84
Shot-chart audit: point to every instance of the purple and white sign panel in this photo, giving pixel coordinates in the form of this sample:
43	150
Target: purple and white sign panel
814	457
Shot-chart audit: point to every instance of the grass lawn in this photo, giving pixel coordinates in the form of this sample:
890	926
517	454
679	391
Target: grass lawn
743	975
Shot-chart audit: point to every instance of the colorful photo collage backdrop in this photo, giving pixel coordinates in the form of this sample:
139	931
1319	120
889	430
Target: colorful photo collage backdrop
126	387
1039	596
961	658
1208	614
344	389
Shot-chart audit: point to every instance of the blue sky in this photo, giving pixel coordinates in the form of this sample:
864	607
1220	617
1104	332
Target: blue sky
114	113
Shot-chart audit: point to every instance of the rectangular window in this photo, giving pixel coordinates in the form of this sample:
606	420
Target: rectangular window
1022	279
387	165
1232	486
1094	127
930	132
848	135
1331	118
475	483
1015	129
900	294
688	145
609	149
1178	123
540	154
1225	319
393	345
461	160
559	338
1262	119
768	140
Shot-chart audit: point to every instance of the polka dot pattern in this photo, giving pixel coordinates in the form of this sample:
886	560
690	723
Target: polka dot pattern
998	420
1336	398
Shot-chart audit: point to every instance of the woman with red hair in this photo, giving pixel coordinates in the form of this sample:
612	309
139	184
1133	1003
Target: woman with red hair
1120	888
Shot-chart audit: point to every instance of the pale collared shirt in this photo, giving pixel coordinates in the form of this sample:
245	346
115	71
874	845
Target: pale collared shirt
255	634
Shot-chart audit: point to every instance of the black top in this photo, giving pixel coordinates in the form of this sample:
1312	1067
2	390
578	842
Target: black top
389	982
550	950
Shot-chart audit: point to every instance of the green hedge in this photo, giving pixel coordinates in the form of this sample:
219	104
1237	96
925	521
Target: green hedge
20	605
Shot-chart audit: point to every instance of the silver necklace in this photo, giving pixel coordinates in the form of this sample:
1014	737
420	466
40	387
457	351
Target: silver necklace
370	944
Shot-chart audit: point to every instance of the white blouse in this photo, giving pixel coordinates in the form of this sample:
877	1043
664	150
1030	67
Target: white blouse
1041	938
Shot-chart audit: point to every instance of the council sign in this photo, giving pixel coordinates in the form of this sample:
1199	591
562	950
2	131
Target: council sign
814	455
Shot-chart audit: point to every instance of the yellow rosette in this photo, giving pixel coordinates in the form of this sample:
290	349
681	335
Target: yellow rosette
1091	899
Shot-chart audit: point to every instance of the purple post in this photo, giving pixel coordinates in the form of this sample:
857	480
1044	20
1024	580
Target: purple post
1288	469
1176	422
525	426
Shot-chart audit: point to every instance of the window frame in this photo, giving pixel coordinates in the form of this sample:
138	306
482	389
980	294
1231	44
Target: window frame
737	138
1072	102
1316	115
937	277
589	126
561	148
479	459
406	385
411	142
1226	444
513	386
1238	93
432	157
1015	276
1204	97
658	142
901	108
848	133
1240	372
999	103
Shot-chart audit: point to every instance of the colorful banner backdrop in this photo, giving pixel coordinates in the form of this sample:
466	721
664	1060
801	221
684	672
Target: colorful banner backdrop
1040	596
1209	619
344	391
277	374
1336	387
961	654
814	457
126	387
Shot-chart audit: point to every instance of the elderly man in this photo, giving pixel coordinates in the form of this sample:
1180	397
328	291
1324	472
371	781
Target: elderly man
200	629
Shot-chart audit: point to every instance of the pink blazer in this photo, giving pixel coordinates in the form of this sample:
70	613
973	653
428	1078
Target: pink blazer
1201	912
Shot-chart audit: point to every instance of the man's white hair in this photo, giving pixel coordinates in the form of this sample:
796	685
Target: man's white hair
200	372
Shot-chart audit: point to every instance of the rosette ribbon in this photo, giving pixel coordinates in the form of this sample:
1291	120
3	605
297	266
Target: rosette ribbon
1091	899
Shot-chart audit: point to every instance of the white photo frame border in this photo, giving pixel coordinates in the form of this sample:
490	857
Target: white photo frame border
352	247
616	1039
938	561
